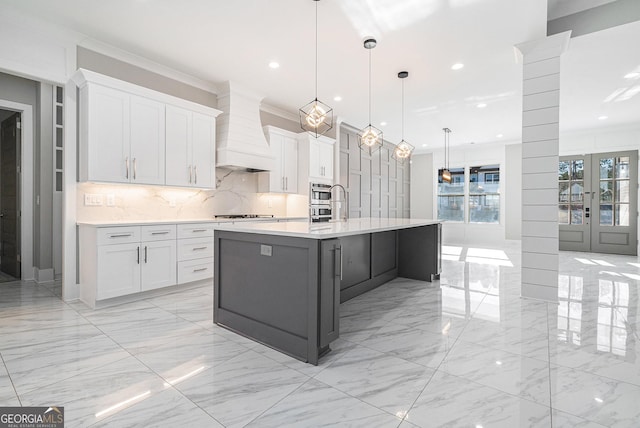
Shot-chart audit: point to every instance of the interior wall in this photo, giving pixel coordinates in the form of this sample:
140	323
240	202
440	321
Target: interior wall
43	183
513	191
422	176
279	122
115	68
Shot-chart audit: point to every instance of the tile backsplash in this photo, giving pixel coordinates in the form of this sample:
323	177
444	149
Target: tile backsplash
236	194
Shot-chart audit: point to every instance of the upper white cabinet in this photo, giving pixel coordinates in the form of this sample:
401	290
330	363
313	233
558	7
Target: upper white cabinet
131	134
190	148
316	159
284	148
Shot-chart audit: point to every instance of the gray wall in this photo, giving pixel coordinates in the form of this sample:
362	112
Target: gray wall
24	91
108	66
422	175
279	122
378	186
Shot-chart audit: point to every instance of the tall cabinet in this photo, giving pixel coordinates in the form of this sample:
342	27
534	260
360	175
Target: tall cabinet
315	160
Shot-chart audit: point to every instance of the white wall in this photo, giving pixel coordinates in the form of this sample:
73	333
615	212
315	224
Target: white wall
422	196
513	191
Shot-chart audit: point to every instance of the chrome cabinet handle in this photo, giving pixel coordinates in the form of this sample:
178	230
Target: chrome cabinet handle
190	173
120	235
282	183
135	168
126	164
145	253
198	248
138	255
200	270
195	174
286	185
199	230
160	233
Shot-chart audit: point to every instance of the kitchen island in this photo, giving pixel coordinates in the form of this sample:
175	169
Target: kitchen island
282	283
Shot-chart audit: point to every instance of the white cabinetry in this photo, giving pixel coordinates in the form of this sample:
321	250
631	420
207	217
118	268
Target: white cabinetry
190	140
284	148
126	135
123	135
122	260
315	159
195	252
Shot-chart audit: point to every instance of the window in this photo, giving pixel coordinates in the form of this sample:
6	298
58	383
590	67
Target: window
484	195
451	196
571	191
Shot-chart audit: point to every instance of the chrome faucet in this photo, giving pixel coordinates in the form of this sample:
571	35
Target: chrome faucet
345	200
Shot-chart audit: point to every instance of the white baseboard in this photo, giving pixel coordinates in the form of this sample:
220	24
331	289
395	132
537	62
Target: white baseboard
43	275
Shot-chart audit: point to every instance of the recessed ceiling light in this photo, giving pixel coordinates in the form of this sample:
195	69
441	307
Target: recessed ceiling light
603	117
498	363
424	145
481	105
632	75
337	98
383	123
599	400
274	65
499	136
457	66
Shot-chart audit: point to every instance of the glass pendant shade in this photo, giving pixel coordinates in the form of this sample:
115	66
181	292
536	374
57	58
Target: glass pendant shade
402	151
316	118
370	139
446	175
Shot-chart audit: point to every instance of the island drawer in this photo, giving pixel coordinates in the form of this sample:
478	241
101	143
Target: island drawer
195	248
195	230
118	235
195	270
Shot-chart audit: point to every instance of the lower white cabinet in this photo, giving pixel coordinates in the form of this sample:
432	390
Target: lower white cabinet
123	260
195	252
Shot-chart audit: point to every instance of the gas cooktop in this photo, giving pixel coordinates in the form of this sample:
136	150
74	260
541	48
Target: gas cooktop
243	216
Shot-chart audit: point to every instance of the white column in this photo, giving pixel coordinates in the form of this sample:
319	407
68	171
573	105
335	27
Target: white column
540	133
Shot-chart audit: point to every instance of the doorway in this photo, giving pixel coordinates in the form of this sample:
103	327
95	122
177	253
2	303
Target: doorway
598	202
10	152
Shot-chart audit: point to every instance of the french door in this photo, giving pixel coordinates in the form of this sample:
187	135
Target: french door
598	202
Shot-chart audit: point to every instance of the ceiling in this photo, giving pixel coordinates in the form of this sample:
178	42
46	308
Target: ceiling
219	40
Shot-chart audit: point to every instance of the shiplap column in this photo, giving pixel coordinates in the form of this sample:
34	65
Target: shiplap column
540	133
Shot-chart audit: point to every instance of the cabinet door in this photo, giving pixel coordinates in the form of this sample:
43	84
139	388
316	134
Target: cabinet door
147	141
204	174
276	175
118	270
158	261
179	171
326	160
315	167
290	164
106	130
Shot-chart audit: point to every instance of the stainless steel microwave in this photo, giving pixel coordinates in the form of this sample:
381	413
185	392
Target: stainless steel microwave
319	193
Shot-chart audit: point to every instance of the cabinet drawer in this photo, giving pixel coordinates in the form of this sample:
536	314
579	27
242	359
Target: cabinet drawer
196	230
160	232
118	235
195	270
195	248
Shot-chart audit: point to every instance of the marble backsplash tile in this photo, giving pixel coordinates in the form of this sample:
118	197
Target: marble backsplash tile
236	193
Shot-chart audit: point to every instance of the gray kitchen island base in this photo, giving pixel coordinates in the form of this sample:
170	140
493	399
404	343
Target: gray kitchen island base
285	291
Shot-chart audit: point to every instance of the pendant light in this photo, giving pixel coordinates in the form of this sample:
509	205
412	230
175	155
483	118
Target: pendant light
445	173
370	137
403	150
316	117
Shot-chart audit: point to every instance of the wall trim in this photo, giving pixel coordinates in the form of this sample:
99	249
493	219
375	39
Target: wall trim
43	275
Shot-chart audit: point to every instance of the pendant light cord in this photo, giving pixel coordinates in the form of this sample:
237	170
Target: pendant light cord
316	2
402	109
370	87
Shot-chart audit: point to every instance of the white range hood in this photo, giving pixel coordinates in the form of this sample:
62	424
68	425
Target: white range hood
239	136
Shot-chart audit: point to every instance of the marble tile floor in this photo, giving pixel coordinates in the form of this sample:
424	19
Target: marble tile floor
465	351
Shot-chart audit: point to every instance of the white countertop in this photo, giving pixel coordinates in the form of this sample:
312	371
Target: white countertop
111	223
304	229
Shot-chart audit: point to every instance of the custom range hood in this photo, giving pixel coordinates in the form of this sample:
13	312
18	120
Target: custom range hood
239	137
